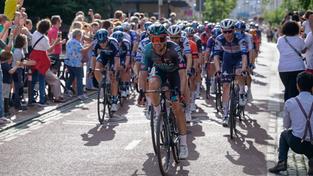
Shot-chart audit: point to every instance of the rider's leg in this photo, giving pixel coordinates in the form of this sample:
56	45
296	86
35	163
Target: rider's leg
155	84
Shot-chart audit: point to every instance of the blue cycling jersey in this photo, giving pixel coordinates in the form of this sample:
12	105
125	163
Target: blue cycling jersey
108	53
140	50
230	50
124	50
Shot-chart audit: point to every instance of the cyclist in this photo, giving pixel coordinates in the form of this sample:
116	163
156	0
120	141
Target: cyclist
234	56
161	58
210	68
142	83
124	53
177	35
240	31
107	52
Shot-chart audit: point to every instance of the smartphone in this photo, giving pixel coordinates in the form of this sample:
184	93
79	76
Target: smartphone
59	34
2	44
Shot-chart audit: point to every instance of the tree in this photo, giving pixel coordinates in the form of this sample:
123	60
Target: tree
216	10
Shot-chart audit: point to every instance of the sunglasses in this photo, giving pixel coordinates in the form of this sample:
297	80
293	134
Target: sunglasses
228	31
157	40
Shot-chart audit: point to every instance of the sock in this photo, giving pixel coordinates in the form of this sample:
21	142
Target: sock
148	100
157	110
241	89
183	139
225	108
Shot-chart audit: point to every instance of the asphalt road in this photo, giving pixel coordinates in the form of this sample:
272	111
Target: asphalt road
70	141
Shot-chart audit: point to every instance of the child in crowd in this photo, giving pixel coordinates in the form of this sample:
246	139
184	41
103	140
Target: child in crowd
8	70
18	56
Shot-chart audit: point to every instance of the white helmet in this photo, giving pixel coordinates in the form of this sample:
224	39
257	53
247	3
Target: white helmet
174	30
228	24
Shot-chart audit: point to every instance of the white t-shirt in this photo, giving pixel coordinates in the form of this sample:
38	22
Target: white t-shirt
306	26
43	44
309	52
18	55
289	60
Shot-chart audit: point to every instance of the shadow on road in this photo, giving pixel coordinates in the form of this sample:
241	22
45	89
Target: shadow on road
99	134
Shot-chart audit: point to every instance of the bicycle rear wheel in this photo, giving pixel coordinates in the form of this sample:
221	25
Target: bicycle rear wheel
163	149
218	97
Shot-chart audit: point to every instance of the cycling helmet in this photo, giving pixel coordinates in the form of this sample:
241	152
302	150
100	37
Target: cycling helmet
174	30
200	28
118	35
216	32
227	24
194	25
240	25
252	25
147	24
157	29
102	35
126	26
190	31
118	28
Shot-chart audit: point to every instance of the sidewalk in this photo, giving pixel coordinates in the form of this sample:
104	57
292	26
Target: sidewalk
37	111
297	164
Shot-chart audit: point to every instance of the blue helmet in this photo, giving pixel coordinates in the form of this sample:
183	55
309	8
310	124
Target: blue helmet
240	25
102	35
147	24
118	35
216	32
118	28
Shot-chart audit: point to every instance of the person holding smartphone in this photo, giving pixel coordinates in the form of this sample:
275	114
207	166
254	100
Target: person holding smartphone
53	34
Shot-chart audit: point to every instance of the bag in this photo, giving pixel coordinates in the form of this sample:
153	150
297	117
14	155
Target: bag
299	54
30	49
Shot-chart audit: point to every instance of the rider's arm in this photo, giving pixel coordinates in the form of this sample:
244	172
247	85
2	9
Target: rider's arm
127	61
187	53
244	51
218	50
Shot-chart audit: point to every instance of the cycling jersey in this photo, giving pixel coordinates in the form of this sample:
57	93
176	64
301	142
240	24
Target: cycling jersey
204	39
194	49
198	41
124	51
210	46
140	50
168	62
231	52
185	47
165	66
143	35
107	54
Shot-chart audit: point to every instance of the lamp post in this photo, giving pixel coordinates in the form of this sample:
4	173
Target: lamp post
168	8
160	6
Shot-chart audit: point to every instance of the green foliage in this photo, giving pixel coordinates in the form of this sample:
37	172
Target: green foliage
216	10
68	8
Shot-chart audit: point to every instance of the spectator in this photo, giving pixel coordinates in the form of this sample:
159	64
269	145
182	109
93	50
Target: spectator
290	47
18	55
74	52
6	60
118	16
309	46
298	122
39	57
306	23
53	34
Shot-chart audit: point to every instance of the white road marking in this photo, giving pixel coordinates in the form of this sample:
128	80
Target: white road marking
80	122
132	145
10	138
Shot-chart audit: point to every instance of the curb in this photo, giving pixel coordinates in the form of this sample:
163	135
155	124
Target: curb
11	125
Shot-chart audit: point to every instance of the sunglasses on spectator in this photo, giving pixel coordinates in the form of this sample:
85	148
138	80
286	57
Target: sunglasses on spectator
157	40
228	31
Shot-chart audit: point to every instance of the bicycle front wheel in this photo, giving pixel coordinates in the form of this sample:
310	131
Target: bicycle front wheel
163	148
232	115
101	104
